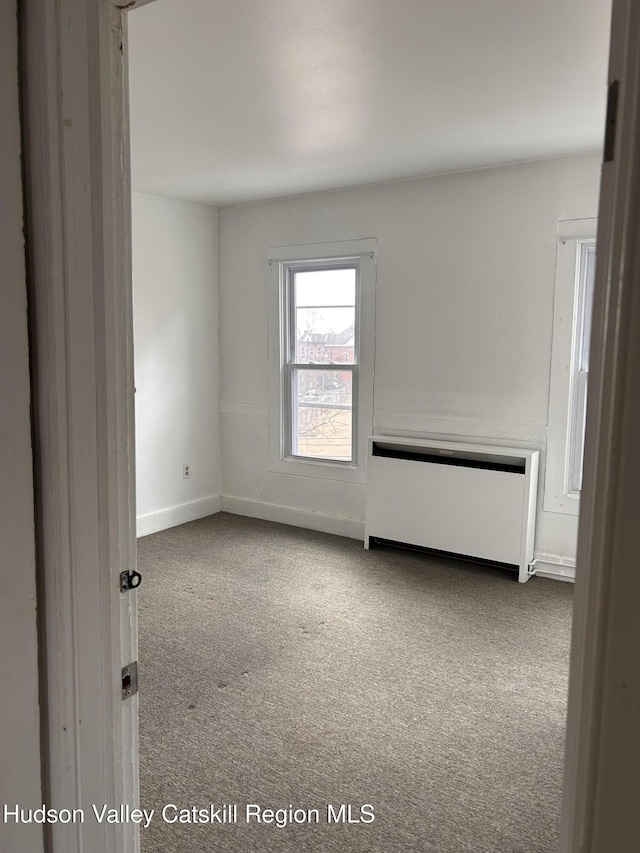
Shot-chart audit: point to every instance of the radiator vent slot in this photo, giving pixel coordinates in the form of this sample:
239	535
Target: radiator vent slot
464	459
376	542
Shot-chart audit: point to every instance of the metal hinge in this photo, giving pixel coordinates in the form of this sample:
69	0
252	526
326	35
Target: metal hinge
129	679
129	580
610	124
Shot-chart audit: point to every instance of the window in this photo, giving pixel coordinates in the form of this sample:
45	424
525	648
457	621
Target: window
586	271
321	300
575	276
321	332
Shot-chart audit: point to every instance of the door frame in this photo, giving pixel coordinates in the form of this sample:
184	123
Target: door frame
79	232
78	221
602	759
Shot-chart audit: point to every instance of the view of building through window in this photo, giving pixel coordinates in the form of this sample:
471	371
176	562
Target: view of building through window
322	361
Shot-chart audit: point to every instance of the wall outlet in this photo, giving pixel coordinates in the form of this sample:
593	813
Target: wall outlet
186	471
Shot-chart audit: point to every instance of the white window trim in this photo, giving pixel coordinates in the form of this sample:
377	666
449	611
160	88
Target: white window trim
572	234
364	252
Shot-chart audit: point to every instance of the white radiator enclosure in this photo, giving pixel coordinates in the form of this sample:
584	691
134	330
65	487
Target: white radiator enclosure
473	500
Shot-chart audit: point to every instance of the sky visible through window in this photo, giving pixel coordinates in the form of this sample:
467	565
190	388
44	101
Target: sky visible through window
325	305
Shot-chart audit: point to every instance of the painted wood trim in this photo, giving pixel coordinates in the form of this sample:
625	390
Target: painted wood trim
555	567
338	525
21	772
602	768
530	498
172	516
78	205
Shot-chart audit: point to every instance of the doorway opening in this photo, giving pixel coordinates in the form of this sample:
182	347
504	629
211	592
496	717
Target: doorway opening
458	356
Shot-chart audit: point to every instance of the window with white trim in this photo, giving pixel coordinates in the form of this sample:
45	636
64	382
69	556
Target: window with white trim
321	343
575	276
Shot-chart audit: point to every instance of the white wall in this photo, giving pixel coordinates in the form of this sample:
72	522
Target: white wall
466	272
176	360
19	709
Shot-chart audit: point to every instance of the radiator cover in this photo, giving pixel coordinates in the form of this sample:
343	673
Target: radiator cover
468	499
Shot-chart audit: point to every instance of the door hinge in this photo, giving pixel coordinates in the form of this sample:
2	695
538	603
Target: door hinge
129	679
129	580
610	124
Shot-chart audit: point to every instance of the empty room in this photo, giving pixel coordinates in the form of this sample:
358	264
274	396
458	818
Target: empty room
366	277
364	242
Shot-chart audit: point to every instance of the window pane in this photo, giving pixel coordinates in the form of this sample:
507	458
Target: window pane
587	269
577	463
325	317
325	335
325	287
588	262
322	414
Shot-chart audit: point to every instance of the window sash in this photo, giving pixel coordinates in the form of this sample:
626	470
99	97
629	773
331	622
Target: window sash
291	365
576	435
585	275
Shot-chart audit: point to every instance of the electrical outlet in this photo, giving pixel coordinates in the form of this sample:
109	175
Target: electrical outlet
186	471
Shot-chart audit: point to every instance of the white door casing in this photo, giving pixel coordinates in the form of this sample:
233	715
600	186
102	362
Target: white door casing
20	771
602	767
78	217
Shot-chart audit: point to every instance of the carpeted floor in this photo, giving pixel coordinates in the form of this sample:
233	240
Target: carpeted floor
282	667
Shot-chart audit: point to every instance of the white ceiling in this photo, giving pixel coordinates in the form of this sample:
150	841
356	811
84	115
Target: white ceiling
235	100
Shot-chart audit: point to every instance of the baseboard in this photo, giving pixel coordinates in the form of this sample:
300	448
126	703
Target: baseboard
338	525
547	565
172	516
555	567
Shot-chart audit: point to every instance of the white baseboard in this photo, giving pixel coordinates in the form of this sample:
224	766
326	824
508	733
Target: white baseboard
153	522
338	525
555	567
547	565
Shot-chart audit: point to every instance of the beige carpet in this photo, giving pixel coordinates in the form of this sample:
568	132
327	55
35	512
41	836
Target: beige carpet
281	667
